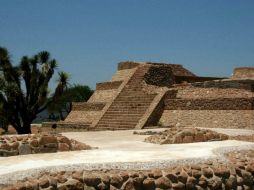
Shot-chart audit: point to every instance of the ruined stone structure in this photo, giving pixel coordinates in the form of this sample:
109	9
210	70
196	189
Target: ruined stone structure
155	94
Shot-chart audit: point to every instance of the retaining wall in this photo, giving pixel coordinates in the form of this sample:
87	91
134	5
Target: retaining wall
209	118
210	104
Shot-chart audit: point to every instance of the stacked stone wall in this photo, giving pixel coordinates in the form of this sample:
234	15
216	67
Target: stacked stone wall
177	70
243	73
210	104
85	106
108	85
103	95
83	116
190	92
159	76
128	65
122	75
224	84
33	144
209	118
238	173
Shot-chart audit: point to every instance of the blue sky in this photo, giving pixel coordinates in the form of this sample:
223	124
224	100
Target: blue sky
89	37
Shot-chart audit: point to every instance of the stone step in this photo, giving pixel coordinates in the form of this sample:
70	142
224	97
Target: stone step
131	120
115	126
127	111
117	123
122	117
108	128
140	105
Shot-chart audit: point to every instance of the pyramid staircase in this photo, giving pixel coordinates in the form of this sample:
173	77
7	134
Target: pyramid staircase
129	106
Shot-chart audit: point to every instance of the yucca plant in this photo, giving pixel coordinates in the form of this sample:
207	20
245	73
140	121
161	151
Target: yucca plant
24	89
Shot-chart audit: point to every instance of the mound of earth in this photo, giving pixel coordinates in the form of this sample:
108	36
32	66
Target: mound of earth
39	143
179	135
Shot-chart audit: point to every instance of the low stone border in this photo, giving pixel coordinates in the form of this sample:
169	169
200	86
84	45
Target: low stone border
178	135
237	174
40	143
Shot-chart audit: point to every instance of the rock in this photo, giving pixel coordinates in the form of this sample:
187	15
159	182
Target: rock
34	143
149	184
91	179
5	146
61	179
124	175
128	185
247	178
202	182
215	183
80	146
14	145
138	182
102	186
31	185
188	139
157	173
246	187
116	181
71	184
43	182
195	167
88	188
199	137
250	168
20	186
239	180
196	173
222	172
177	139
47	150
63	147
172	177
231	183
106	179
191	182
24	149
178	186
47	140
78	176
207	172
163	183
112	188
182	177
63	139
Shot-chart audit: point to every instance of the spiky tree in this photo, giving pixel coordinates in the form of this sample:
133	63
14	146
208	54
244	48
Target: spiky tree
63	104
24	88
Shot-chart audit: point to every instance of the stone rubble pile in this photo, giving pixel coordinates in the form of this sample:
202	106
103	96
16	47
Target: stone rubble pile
238	174
179	135
38	143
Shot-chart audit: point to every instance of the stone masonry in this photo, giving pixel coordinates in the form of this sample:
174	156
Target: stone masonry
143	94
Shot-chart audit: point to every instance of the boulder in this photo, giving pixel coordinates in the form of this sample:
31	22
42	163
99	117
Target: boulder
24	149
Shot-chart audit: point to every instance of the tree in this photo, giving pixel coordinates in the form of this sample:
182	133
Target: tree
3	121
24	89
63	104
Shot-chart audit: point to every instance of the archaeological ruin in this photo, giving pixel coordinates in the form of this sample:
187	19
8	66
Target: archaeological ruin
142	95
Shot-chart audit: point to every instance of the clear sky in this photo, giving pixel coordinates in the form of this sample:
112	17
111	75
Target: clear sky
88	37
